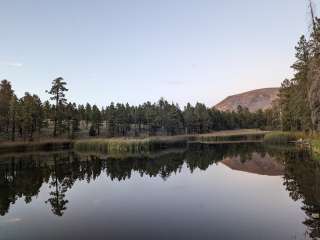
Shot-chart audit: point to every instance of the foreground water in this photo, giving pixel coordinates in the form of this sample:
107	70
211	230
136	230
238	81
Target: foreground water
233	191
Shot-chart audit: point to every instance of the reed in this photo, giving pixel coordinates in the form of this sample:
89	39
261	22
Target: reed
282	137
123	145
230	138
110	146
315	144
131	145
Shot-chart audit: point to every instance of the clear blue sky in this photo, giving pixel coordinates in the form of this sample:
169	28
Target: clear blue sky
138	50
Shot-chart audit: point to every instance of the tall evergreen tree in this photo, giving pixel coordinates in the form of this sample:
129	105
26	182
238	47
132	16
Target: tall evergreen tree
57	92
13	112
96	119
6	93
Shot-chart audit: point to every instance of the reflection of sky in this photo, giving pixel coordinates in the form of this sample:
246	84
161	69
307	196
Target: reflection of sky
136	50
217	202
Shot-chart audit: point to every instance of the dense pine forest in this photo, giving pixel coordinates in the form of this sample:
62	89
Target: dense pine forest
298	108
28	118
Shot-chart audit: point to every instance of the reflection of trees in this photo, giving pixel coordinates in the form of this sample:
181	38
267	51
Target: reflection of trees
57	201
18	179
22	176
59	183
302	180
203	155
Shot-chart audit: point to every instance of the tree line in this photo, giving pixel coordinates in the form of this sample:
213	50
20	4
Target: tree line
298	107
28	118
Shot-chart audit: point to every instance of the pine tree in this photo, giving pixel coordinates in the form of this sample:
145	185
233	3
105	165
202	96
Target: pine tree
57	92
6	94
96	119
189	119
314	75
301	84
13	112
88	114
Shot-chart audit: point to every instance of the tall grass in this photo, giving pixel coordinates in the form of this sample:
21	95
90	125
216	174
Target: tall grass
227	138
282	137
129	145
315	143
135	146
122	145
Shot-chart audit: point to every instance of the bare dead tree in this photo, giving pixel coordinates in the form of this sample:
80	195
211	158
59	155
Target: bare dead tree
311	7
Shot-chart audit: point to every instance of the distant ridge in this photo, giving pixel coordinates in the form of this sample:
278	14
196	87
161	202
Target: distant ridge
253	100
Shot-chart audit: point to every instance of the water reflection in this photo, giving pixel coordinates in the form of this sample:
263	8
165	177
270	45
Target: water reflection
22	176
302	181
257	164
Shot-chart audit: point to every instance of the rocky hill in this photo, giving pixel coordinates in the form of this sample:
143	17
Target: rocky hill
253	100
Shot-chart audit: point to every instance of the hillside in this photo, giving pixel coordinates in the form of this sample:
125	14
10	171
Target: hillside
253	100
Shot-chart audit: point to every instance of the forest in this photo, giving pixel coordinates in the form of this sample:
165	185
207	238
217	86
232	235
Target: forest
298	107
28	118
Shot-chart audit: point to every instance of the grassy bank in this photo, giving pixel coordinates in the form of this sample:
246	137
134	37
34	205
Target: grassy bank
281	138
124	145
131	145
47	145
315	143
146	145
230	136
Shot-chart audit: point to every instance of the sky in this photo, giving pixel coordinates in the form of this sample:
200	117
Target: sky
140	50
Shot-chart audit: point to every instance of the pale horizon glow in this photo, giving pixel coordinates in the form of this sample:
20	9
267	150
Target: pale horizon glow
137	50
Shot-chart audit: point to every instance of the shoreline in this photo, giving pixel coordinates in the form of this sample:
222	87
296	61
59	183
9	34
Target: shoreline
228	136
46	145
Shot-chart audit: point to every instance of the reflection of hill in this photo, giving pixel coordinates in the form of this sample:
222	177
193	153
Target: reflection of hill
262	165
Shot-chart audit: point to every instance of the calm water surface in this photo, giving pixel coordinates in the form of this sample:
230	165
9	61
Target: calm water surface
234	191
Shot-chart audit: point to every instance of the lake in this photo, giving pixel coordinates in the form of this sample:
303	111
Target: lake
224	191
